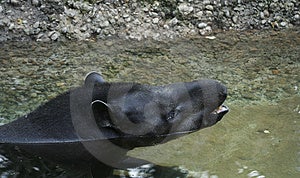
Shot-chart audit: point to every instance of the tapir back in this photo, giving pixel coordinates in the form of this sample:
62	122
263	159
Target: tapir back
50	122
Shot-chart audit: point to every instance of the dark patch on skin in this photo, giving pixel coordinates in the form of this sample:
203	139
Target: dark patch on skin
196	95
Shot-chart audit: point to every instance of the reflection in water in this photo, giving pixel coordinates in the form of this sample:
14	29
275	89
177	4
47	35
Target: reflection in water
144	171
258	138
21	164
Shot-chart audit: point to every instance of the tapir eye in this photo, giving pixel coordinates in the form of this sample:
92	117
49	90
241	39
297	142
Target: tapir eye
173	113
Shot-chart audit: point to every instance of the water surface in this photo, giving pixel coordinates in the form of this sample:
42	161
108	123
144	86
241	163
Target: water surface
258	138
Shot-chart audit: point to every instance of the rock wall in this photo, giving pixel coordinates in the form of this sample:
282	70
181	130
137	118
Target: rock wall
52	20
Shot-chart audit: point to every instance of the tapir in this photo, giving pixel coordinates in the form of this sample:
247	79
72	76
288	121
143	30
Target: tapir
101	121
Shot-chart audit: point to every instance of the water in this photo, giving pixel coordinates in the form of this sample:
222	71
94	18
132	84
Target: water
258	138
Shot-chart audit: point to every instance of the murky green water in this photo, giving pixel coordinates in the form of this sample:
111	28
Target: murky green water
258	138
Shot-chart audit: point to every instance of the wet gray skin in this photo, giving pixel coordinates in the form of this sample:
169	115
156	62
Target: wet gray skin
102	121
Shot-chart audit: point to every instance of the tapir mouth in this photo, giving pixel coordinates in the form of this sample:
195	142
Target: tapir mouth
221	110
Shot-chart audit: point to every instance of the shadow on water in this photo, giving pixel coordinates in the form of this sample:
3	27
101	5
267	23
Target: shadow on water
258	138
16	163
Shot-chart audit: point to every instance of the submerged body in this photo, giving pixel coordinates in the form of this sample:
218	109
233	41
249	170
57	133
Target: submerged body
101	121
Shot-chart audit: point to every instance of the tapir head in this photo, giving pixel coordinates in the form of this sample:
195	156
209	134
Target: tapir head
196	105
105	120
141	111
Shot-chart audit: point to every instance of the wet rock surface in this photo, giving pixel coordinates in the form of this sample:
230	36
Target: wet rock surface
53	20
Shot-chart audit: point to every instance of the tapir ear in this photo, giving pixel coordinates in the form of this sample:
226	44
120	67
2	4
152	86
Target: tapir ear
93	77
101	113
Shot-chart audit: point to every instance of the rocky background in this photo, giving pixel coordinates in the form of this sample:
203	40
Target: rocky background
58	20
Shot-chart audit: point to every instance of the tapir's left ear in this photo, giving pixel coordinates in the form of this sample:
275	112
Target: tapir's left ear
93	77
101	113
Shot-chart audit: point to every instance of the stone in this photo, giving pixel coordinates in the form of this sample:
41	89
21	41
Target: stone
136	22
173	21
70	12
227	13
202	25
290	5
266	13
277	18
155	20
209	13
33	95
209	7
54	35
211	37
205	2
15	2
36	24
208	29
145	9
262	16
11	26
27	31
205	30
199	14
1	9
35	2
283	24
234	19
42	37
185	9
104	24
239	8
166	27
253	174
125	15
128	19
202	32
84	28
